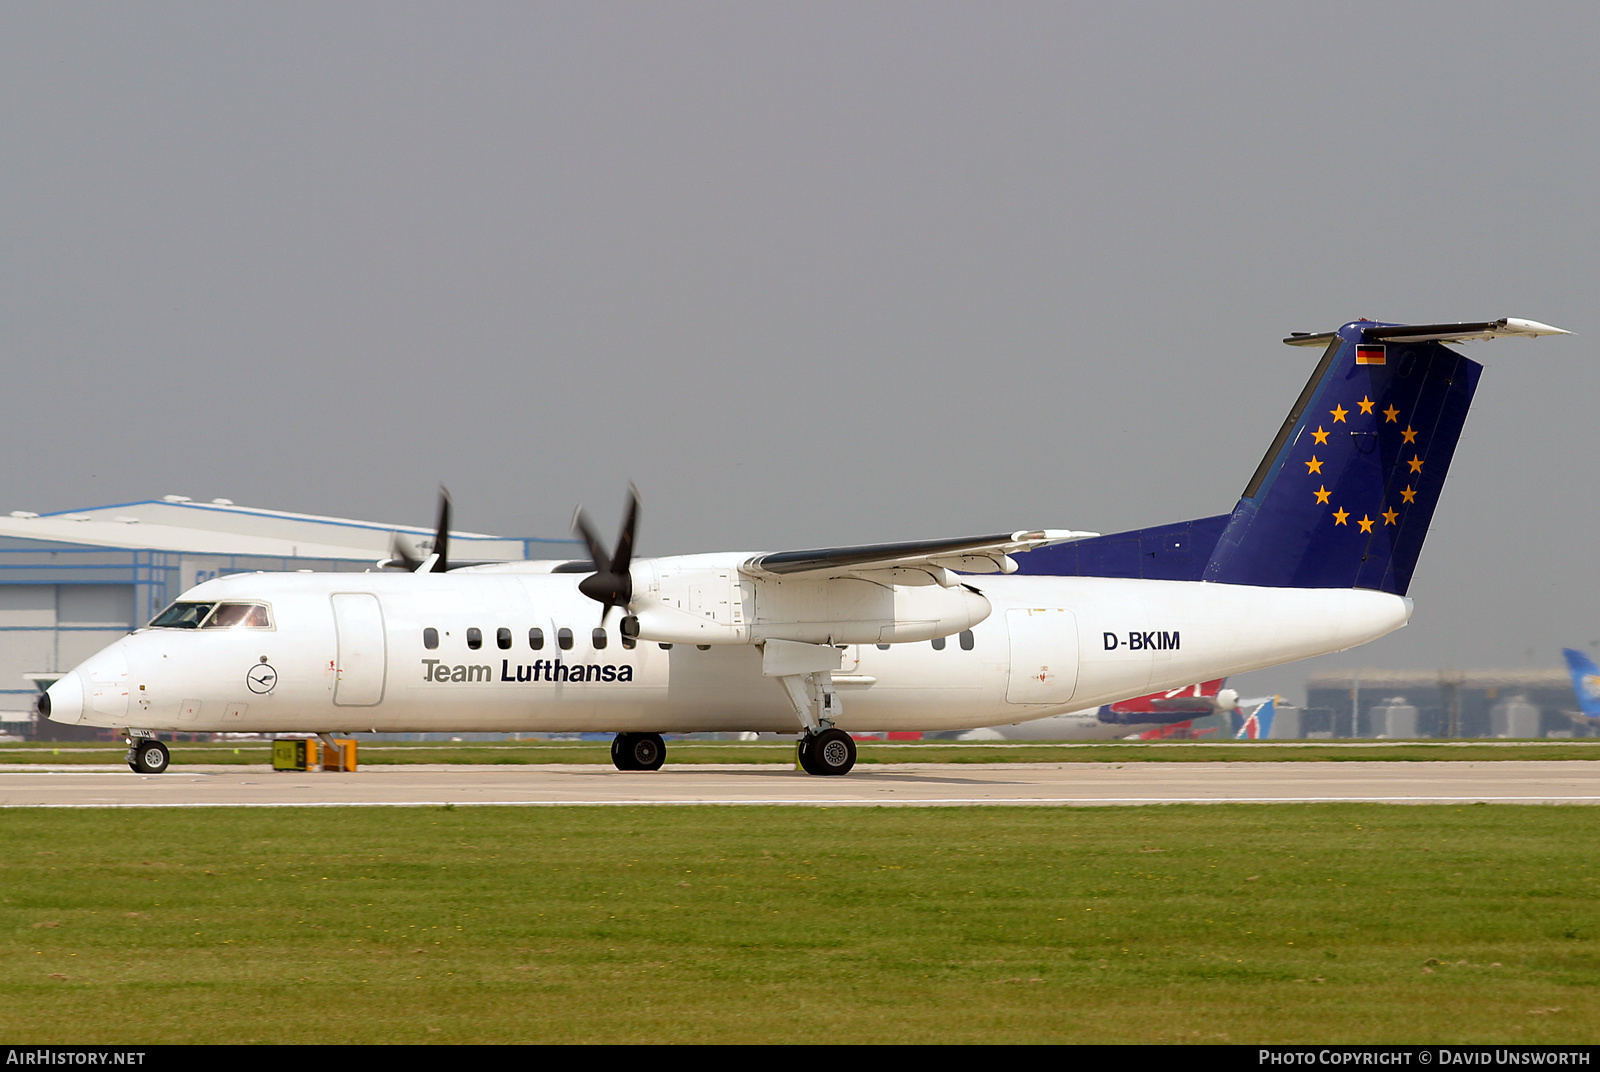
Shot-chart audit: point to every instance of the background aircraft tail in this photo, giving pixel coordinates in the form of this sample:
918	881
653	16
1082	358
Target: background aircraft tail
1585	681
1344	496
1256	719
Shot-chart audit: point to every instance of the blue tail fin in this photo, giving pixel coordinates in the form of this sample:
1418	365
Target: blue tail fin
1344	496
1585	681
1346	492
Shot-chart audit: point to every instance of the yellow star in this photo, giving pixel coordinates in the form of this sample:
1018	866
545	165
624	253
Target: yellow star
1313	466
1408	495
1410	434
1339	515
1365	523
1319	435
1391	414
1389	516
1322	494
1415	463
1365	404
1338	412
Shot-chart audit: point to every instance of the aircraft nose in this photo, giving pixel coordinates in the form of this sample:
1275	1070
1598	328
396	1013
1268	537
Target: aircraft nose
95	693
63	701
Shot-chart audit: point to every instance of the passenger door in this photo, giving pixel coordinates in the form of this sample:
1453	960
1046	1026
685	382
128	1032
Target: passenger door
363	649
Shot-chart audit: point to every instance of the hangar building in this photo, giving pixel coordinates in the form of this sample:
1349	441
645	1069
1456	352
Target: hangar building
1517	703
72	582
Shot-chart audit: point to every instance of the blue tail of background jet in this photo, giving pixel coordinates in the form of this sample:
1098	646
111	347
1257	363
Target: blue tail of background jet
1345	494
1585	681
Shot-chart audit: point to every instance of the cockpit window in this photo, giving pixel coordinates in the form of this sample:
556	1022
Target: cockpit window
181	616
239	615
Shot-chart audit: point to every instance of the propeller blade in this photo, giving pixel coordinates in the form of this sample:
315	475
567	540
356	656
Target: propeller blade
630	521
610	585
591	540
441	536
401	554
405	552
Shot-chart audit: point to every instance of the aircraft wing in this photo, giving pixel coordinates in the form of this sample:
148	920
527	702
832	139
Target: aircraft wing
901	563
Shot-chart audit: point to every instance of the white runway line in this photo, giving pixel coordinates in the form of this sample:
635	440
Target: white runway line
949	802
875	785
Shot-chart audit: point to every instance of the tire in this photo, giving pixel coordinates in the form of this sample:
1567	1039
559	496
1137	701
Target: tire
150	757
802	753
829	753
622	751
647	751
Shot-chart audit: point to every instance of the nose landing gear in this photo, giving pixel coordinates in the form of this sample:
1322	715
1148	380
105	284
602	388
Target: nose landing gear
638	751
146	755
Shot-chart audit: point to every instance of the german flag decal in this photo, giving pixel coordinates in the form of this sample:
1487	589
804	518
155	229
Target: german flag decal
1369	354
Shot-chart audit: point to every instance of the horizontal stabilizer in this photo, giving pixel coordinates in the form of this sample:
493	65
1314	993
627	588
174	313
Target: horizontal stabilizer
1506	326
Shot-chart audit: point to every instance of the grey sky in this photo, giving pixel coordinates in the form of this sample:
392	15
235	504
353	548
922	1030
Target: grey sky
808	273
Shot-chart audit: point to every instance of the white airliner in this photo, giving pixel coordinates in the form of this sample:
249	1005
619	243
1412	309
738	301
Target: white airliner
933	635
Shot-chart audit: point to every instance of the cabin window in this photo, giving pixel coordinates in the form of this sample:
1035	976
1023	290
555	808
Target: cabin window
502	637
703	647
629	642
181	616
883	647
474	638
966	640
430	638
564	638
536	639
938	643
240	616
598	637
664	647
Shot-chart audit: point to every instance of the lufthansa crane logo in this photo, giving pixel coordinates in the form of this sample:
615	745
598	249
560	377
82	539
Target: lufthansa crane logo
262	678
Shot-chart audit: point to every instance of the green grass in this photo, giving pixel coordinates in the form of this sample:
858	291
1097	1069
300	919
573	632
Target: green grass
524	752
1230	923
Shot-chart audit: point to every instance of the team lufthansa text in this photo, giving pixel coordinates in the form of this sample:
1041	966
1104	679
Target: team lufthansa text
543	670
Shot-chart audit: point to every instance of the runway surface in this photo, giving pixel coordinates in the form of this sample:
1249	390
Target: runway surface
909	784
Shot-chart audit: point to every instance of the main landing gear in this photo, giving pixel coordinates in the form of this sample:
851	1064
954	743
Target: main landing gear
830	752
146	755
638	751
806	673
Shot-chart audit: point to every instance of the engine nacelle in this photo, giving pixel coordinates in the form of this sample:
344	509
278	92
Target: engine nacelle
694	603
847	610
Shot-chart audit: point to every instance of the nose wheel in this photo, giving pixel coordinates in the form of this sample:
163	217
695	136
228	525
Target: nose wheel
148	756
830	752
638	751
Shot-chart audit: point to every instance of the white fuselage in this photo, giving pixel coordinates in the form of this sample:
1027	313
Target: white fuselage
346	652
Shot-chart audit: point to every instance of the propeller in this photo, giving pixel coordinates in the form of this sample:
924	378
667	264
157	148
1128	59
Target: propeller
610	585
441	534
401	552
